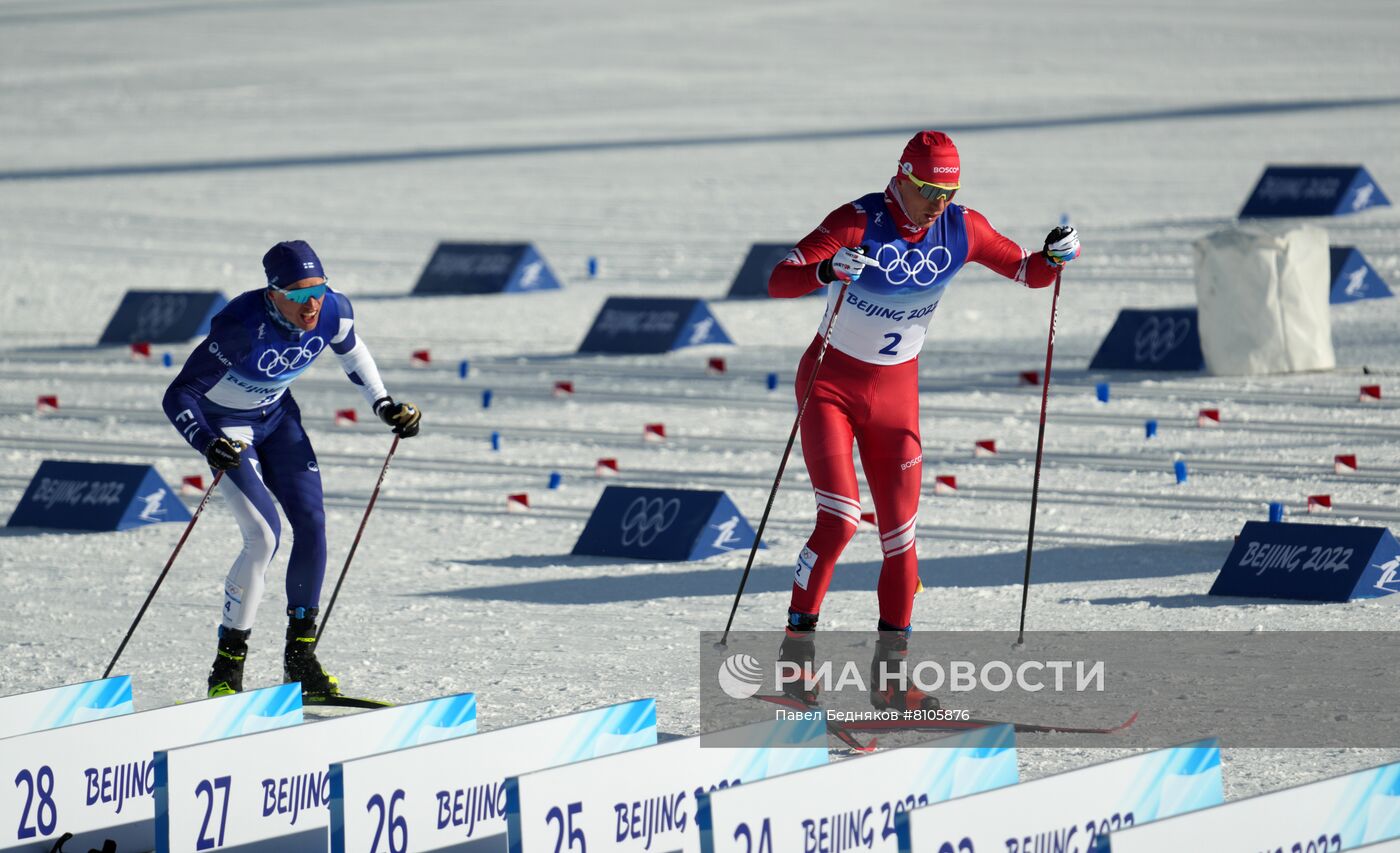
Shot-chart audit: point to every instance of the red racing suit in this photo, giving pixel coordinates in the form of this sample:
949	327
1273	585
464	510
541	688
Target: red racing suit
867	392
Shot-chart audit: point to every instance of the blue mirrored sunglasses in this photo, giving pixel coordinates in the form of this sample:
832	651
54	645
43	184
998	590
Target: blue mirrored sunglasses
304	294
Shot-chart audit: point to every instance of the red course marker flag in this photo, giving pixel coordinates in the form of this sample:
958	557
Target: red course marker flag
346	417
46	403
868	518
945	485
1345	463
606	467
1319	503
193	484
563	389
1208	418
518	503
716	366
985	447
140	350
1030	377
421	358
654	432
1370	393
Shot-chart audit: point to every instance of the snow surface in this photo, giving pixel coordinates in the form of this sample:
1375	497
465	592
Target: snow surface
167	143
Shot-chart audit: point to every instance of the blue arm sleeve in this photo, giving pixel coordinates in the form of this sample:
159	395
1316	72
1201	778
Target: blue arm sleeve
201	372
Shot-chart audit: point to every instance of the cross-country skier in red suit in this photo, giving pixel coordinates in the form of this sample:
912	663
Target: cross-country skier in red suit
897	251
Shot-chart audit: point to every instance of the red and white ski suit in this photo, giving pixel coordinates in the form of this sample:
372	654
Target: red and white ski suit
867	391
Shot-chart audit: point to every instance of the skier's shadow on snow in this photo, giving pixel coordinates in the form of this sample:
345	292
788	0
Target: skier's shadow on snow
1052	565
33	531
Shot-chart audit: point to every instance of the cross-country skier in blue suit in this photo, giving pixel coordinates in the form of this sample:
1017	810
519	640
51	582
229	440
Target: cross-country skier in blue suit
231	403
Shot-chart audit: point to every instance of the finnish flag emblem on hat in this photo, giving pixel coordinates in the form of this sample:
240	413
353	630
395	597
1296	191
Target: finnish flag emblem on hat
289	261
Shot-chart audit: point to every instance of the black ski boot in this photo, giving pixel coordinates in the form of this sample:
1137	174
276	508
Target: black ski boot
889	686
226	675
799	648
299	659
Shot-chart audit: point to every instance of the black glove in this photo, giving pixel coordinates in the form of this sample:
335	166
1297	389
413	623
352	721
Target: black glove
1062	245
403	417
222	453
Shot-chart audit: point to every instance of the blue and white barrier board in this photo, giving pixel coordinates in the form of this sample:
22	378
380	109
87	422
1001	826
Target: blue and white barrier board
1310	562
1353	278
1334	814
271	792
853	804
97	780
485	268
451	795
663	524
645	799
1152	339
162	316
1074	810
96	496
1313	191
628	324
751	282
63	706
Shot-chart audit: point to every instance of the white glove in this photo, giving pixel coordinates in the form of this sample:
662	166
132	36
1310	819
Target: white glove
1062	245
848	264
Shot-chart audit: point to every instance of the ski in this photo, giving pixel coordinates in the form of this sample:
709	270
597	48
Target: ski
962	725
343	702
837	730
324	702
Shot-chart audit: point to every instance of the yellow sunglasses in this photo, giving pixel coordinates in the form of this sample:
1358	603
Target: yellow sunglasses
930	191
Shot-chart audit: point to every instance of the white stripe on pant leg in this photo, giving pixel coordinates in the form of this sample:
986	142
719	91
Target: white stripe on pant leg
900	529
835	498
899	540
839	509
841	515
243	588
239	433
901	549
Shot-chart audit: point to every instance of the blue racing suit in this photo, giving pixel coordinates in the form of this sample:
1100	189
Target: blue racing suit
235	384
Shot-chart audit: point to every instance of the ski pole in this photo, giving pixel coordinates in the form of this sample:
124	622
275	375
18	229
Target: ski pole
782	465
218	475
1039	454
325	617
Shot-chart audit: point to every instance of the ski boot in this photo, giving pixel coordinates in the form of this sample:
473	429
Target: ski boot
226	675
299	659
889	687
799	648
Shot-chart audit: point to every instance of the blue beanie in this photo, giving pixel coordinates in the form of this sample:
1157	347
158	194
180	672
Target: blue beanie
291	261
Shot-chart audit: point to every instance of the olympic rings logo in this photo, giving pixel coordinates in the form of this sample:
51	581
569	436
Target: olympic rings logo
647	518
1158	336
277	362
918	265
158	313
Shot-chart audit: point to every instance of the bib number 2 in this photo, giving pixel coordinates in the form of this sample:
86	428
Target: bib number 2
893	344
